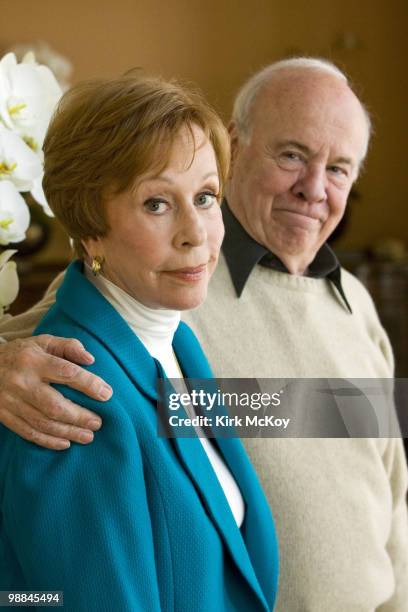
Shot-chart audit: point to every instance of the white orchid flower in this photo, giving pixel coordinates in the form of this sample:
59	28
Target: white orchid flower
8	280
39	196
14	214
18	163
28	95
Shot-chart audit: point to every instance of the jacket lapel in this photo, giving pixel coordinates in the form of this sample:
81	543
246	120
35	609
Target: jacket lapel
255	547
258	529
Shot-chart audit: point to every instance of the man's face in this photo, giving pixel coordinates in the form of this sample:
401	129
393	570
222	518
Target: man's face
290	182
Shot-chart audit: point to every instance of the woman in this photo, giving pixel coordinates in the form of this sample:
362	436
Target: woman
134	169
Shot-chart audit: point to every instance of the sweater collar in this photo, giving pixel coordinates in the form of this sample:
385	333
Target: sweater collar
242	253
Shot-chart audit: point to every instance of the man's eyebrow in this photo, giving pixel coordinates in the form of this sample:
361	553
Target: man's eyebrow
343	160
295	144
307	151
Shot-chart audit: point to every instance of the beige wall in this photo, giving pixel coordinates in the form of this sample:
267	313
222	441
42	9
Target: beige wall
217	44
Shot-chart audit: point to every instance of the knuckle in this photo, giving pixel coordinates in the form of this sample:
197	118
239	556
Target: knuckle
13	379
39	398
39	424
18	343
45	342
7	401
33	435
63	411
72	432
54	410
74	343
43	338
69	370
93	383
75	419
25	357
52	428
62	431
73	416
35	397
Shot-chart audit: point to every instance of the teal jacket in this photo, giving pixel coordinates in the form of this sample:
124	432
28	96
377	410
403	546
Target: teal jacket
131	522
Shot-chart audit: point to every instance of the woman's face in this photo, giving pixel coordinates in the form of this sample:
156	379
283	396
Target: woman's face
165	234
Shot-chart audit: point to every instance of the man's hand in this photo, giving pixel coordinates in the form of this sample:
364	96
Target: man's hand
30	407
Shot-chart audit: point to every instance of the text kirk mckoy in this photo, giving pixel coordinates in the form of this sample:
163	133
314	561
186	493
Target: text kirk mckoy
227	421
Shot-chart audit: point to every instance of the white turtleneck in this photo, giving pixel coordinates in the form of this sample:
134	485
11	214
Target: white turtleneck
155	328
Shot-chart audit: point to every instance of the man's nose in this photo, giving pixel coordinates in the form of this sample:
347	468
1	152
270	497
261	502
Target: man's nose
311	185
191	229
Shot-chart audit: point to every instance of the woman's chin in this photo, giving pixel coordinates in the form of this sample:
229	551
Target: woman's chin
185	300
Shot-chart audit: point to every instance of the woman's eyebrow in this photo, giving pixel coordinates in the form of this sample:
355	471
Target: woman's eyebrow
167	179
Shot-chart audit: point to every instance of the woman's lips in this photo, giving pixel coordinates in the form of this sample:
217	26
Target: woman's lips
189	274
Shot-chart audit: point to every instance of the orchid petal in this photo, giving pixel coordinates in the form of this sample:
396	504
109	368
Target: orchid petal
5	256
9	284
28	95
8	61
29	58
18	163
14	214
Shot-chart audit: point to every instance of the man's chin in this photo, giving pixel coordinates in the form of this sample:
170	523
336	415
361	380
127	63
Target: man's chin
296	239
297	221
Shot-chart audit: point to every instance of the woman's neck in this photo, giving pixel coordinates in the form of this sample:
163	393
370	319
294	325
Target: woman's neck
154	327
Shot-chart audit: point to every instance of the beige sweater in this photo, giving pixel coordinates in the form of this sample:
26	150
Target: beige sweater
339	504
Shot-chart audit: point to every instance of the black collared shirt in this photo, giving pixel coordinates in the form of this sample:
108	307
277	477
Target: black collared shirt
243	253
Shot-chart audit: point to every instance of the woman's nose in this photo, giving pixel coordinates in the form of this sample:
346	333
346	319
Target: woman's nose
191	229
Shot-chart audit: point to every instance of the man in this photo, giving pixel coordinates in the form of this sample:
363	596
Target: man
280	306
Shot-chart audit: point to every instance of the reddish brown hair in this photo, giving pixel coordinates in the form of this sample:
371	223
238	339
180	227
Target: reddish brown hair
106	133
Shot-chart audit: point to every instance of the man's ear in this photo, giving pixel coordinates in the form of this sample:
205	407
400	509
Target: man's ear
235	143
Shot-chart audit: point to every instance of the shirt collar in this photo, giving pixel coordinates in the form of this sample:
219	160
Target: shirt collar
242	253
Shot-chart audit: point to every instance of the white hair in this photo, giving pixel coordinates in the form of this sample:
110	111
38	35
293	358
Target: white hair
245	99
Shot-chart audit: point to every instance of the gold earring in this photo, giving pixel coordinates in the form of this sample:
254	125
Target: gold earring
97	262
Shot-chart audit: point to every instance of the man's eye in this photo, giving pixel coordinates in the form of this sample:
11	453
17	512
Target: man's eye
155	206
290	160
338	170
291	156
205	199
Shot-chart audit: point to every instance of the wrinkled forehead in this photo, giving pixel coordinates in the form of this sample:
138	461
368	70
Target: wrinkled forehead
319	110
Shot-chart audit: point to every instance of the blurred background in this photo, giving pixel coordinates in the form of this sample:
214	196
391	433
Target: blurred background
217	45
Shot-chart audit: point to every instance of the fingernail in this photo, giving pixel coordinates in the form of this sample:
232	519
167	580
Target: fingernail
63	445
89	357
105	393
86	436
94	424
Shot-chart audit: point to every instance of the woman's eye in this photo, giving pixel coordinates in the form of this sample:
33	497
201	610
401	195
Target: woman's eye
156	207
206	199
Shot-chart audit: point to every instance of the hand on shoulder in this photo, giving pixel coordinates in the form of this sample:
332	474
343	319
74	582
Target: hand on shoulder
33	409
